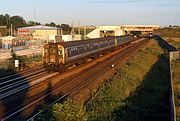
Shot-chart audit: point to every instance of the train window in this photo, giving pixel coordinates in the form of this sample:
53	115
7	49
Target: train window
69	52
60	51
52	51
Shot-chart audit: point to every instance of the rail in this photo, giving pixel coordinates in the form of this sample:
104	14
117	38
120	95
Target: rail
98	71
80	84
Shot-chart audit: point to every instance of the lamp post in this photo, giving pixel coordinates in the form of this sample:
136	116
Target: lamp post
2	46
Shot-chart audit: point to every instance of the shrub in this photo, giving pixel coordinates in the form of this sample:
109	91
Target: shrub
69	110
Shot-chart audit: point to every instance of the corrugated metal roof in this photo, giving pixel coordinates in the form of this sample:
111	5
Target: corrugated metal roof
39	27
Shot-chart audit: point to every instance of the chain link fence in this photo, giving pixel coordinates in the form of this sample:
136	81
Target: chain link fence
30	51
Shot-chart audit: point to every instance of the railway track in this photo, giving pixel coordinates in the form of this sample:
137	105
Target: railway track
9	87
80	80
75	82
23	72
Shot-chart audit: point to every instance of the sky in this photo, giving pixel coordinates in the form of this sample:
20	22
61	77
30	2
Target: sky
96	12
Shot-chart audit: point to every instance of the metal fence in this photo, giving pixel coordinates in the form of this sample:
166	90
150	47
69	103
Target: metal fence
175	55
31	49
22	44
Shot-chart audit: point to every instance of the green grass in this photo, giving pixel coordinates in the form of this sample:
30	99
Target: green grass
139	91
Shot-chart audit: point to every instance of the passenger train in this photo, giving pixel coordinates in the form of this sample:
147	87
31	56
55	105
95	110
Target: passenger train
60	56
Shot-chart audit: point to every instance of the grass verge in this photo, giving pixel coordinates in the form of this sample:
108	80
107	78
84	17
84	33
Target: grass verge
138	91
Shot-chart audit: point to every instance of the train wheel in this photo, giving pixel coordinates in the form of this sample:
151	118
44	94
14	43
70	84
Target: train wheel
60	71
63	69
48	70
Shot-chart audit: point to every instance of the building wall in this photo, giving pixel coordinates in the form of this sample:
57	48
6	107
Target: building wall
119	32
67	38
45	34
94	34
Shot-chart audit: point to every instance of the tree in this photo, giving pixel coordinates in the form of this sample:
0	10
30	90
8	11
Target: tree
7	16
13	55
52	24
66	28
17	21
58	26
32	23
3	21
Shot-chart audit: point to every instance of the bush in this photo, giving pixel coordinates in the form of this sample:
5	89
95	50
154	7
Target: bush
69	110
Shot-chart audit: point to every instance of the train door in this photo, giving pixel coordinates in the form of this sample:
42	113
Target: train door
53	54
60	55
45	55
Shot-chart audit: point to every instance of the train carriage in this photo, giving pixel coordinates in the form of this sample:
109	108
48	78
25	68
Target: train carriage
59	56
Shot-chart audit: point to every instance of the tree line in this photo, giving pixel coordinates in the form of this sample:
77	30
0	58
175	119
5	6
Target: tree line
18	21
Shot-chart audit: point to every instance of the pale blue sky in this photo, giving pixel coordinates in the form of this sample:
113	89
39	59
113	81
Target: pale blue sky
96	12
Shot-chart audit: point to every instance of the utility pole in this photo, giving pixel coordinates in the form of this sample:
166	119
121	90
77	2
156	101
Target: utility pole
85	32
79	29
34	16
72	31
11	30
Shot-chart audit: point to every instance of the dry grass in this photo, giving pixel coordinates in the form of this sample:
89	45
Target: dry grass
169	32
172	35
173	41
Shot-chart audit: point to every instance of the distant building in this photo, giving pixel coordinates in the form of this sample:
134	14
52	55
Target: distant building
3	30
67	38
7	42
39	32
103	31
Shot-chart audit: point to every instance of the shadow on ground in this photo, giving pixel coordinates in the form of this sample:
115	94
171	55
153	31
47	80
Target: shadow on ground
151	100
11	103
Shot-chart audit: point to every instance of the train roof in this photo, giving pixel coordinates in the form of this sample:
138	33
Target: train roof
82	42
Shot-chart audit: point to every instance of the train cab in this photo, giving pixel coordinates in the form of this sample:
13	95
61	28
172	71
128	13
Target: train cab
52	56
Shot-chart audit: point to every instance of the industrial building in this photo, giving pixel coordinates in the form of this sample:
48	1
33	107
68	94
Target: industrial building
3	30
39	32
